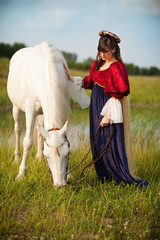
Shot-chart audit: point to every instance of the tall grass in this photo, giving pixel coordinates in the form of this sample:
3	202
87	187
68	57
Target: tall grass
4	67
145	90
33	209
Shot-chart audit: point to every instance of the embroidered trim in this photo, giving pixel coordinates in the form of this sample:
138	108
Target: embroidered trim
110	35
99	85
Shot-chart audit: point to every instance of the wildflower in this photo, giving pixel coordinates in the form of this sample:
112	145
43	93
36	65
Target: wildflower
96	236
125	225
94	209
104	206
109	226
112	212
42	238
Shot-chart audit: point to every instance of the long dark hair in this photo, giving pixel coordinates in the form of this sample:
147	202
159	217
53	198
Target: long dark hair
107	43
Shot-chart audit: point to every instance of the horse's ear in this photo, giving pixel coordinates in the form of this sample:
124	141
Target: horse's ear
43	132
63	130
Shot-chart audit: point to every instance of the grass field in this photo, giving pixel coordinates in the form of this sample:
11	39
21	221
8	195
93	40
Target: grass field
33	209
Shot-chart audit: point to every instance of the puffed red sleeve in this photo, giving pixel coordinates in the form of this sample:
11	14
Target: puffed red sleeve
117	85
87	81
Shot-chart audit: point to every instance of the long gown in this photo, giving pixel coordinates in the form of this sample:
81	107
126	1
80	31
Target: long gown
112	82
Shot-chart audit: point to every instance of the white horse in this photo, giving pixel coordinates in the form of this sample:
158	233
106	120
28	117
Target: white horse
37	84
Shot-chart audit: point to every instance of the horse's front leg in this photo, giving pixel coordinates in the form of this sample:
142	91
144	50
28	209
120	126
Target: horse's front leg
40	142
17	115
28	139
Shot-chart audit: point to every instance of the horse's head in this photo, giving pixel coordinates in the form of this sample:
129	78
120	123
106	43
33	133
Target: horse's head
56	151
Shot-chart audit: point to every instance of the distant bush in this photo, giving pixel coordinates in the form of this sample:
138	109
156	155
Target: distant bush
4	67
7	50
131	68
78	66
135	70
70	56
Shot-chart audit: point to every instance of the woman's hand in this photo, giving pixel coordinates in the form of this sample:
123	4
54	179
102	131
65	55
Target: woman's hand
104	122
67	72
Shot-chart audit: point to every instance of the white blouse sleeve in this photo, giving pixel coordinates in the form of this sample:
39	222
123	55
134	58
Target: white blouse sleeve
77	81
77	93
113	110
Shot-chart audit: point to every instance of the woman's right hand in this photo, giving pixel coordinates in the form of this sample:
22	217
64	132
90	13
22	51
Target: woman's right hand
105	121
67	72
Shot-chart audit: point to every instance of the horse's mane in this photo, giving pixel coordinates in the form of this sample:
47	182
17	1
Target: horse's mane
58	85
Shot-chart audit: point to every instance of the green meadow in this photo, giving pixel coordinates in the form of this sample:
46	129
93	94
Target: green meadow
33	209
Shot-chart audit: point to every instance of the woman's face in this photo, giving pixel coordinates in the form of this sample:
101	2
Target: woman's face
107	55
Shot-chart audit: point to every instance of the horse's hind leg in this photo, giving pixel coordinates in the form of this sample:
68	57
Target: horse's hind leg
17	115
28	140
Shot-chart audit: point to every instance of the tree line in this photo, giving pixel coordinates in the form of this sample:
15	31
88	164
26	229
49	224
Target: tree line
7	50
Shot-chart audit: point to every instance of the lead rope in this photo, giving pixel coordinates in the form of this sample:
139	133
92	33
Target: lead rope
101	154
86	154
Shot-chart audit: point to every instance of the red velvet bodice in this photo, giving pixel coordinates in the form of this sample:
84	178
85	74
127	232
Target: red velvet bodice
114	80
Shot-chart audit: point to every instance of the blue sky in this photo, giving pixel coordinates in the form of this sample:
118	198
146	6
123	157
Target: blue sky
73	26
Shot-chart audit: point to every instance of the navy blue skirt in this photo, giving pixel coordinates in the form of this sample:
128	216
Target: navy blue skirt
113	164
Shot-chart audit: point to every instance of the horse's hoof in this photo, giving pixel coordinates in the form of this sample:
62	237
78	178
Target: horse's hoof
60	186
16	159
39	158
20	176
69	176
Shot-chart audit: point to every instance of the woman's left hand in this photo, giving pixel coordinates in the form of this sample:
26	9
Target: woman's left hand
67	72
105	121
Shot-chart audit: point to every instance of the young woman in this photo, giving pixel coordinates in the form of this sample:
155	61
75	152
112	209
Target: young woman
109	83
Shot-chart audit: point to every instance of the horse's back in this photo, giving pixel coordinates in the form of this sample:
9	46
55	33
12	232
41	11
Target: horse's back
27	71
25	62
37	79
